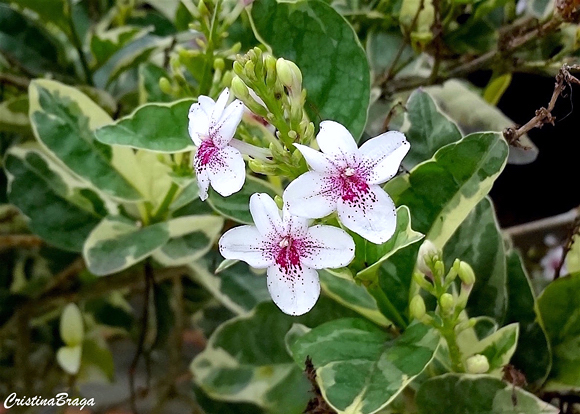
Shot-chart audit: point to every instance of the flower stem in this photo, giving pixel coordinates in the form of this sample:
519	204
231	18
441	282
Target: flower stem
448	332
164	206
78	45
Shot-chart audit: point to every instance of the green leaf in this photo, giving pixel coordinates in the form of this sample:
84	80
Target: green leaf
353	296
428	128
105	44
71	325
155	127
327	51
497	347
573	256
476	394
149	91
14	115
97	355
63	120
246	359
191	238
359	368
237	206
22	42
496	88
533	354
376	254
441	192
117	243
472	113
49	11
478	241
69	358
62	210
382	47
559	308
237	287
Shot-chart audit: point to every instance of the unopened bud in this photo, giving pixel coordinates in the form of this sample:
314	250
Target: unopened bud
165	85
260	167
477	364
239	88
428	253
219	64
279	201
238	68
203	10
71	325
465	273
250	68
417	307
289	74
446	302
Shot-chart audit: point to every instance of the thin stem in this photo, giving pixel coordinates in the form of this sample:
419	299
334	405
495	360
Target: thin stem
78	45
164	206
206	80
448	332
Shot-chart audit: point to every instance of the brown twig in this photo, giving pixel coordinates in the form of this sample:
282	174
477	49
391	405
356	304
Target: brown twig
317	404
149	280
543	115
18	81
13	241
573	231
503	49
437	29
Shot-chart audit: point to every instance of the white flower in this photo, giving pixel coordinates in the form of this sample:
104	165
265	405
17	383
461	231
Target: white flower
346	179
212	126
290	250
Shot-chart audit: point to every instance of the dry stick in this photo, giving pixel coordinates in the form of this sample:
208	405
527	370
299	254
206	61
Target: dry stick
149	278
12	241
18	81
437	30
483	60
543	115
574	230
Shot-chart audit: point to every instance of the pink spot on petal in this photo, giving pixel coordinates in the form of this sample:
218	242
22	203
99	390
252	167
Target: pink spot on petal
351	184
206	153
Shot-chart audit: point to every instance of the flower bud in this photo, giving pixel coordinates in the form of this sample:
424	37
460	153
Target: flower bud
428	253
477	364
239	88
417	307
165	85
289	74
465	273
203	10
446	302
71	325
260	167
219	64
279	201
238	68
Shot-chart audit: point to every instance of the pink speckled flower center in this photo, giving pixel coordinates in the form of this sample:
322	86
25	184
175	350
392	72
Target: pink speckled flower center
206	152
287	255
352	184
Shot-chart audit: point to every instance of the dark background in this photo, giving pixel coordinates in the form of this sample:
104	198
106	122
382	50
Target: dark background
550	185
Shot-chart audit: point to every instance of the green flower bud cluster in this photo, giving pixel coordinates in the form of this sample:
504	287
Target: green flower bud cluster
449	317
272	89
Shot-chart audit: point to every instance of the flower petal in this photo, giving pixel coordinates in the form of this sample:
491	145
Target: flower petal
337	142
294	225
247	244
311	195
220	104
383	155
327	247
223	129
227	171
199	121
202	183
371	215
315	159
265	214
295	293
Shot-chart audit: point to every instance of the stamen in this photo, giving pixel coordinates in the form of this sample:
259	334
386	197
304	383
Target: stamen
284	242
349	172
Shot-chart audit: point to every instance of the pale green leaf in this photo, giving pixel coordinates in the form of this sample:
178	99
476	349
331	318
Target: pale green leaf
14	115
191	238
496	88
573	257
246	359
427	128
61	209
63	120
479	242
106	43
477	394
71	325
69	358
359	367
117	243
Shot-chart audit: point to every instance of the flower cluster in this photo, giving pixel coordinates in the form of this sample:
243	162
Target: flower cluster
342	178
